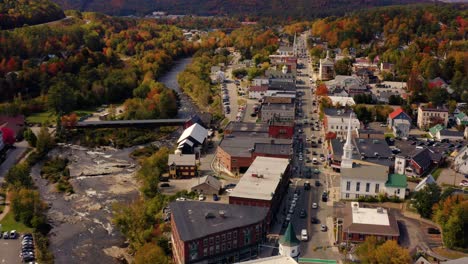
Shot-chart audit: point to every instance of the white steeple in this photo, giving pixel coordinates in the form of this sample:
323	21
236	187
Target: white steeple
347	158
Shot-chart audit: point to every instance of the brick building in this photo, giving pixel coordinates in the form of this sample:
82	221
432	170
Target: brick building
281	129
360	223
204	232
263	185
182	165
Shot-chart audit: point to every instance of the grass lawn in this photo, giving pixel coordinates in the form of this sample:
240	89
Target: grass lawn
8	223
436	173
41	118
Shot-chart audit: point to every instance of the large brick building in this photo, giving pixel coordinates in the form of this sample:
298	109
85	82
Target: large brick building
360	223
208	233
263	184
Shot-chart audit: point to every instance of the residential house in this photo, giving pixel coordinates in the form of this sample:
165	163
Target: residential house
365	63
428	117
15	123
367	75
422	184
203	232
460	162
182	165
420	162
387	67
360	223
396	186
435	129
384	96
401	128
451	135
207	185
286	50
260	81
397	114
257	92
351	84
192	139
263	185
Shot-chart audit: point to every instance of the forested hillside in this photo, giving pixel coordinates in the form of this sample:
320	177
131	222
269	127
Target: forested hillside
88	60
277	8
17	13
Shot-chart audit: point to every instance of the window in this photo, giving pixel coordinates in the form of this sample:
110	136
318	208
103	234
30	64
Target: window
347	196
348	185
223	247
205	252
358	186
217	239
361	237
223	237
377	186
293	251
217	249
234	243
331	127
229	236
356	196
229	245
205	242
211	250
211	240
398	191
234	234
367	187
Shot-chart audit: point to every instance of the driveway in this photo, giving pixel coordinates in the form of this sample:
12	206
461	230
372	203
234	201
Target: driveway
12	157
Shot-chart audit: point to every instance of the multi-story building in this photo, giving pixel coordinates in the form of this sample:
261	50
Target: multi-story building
281	129
428	117
236	152
204	232
277	111
326	68
263	185
360	223
335	121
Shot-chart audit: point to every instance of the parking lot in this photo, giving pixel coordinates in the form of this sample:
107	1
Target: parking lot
10	250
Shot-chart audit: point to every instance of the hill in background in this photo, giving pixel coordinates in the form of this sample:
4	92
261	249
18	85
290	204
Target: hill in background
14	13
277	8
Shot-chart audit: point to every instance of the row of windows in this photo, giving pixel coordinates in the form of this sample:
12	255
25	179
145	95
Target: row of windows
358	187
434	114
340	127
222	238
219	248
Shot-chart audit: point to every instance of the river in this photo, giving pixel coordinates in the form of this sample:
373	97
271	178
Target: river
187	107
82	231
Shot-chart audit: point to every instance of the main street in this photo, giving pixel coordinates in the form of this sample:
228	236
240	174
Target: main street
319	243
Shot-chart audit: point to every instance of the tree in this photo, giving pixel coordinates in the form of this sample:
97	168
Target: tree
61	97
451	214
438	96
321	90
390	252
425	199
366	250
395	100
45	142
30	137
27	207
18	176
151	253
343	67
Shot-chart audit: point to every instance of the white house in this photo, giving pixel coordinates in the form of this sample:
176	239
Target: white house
257	92
335	121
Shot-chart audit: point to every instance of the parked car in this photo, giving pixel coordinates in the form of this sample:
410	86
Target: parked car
314	206
165	184
307	186
323	228
304	235
13	234
314	220
324	196
432	230
181	199
317	183
6	235
201	197
303	213
229	186
215	197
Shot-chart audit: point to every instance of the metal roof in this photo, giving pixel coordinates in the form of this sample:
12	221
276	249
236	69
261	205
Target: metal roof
194	220
396	181
195	131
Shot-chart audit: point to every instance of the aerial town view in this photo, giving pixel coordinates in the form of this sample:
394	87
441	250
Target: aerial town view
233	131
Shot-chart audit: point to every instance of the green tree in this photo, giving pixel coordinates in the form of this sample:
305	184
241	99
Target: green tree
425	199
151	253
454	229
438	96
366	250
150	171
27	207
18	176
45	141
61	97
395	100
30	137
343	67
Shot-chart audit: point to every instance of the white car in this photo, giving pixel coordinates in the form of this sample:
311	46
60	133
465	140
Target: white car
181	199
314	206
323	228
201	197
304	235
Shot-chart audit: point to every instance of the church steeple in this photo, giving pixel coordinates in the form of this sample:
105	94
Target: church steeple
347	158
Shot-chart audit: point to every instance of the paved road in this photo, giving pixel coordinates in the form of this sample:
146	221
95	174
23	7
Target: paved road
12	158
10	250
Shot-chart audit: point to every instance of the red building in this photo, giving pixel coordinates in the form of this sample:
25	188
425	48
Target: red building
205	232
281	129
263	185
360	223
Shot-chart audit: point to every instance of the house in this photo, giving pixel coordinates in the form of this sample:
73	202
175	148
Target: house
428	117
397	114
422	260
401	128
363	179
207	185
451	135
204	232
257	92
460	163
396	185
236	152
384	96
192	139
263	185
351	84
326	68
461	119
360	223
435	129
335	121
342	101
182	165
277	111
215	69
284	73
420	162
260	81
428	180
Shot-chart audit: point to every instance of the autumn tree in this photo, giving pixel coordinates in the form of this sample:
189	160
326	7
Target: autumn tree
321	90
452	215
373	251
151	253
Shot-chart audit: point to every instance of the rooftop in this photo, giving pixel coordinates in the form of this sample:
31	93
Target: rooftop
196	220
243	145
366	170
431	109
196	132
342	100
396	181
337	112
276	107
181	159
261	179
289	238
369	147
451	133
272	260
374	221
247	127
273	149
